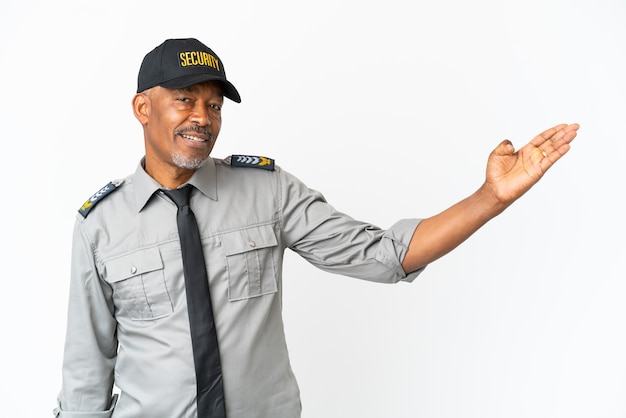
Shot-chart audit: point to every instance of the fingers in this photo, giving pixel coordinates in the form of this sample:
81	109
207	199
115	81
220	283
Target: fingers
562	133
543	150
569	133
553	143
548	133
565	135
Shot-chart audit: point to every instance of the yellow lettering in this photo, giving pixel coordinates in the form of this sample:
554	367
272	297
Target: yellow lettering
190	58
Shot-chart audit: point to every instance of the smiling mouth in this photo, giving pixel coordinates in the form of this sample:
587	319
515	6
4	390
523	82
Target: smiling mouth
197	134
196	138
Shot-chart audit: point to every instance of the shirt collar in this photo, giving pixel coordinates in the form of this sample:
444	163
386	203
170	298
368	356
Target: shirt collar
203	179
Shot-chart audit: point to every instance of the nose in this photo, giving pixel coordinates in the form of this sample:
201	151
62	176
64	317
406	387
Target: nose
200	115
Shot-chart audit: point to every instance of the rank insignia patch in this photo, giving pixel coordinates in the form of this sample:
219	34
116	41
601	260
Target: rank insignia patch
252	161
98	196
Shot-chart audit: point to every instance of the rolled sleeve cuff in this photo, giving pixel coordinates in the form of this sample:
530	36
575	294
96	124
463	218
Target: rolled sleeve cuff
58	413
394	246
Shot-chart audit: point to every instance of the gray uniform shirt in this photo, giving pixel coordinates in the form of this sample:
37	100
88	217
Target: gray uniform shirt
127	321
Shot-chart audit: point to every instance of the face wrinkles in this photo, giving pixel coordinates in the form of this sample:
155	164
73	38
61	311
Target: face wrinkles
182	127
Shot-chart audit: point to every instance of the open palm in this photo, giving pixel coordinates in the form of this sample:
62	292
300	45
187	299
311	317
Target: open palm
511	173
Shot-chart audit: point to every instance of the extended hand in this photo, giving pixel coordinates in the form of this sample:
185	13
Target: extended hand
510	174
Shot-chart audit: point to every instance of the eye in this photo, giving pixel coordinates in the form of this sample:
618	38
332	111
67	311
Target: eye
216	107
183	99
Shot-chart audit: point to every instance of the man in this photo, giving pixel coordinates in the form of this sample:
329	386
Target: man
132	318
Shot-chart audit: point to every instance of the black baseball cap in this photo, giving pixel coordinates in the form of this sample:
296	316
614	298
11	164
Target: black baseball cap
179	63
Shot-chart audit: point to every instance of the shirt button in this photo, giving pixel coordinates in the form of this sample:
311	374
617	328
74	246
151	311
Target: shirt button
133	270
252	243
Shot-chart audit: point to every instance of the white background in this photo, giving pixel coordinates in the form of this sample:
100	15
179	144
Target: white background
390	109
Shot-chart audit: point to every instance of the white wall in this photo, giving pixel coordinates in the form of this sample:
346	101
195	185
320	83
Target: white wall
390	108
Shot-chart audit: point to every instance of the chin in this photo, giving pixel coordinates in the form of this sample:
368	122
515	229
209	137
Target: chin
188	163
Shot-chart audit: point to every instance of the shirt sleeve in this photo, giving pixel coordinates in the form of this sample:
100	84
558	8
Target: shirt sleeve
337	243
91	342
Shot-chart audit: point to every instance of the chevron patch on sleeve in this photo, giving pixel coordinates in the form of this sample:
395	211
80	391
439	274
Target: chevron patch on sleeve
253	161
98	196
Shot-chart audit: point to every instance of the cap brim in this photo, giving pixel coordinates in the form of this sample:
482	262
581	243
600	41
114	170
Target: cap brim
181	82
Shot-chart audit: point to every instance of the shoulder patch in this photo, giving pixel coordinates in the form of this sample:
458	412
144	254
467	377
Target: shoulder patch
251	161
98	196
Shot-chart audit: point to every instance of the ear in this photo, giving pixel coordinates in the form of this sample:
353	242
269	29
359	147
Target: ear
141	107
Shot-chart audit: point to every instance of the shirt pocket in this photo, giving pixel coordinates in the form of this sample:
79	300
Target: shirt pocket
250	261
139	287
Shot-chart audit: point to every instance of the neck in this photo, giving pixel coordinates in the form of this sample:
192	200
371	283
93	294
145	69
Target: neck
167	175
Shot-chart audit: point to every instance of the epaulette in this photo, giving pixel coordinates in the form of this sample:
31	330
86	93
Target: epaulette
98	196
252	161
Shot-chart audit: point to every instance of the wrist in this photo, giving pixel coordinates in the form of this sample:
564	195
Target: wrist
490	201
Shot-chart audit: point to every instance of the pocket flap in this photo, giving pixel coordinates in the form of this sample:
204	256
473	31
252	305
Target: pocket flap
133	264
248	239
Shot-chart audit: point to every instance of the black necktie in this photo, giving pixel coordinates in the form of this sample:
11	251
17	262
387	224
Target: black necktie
206	353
